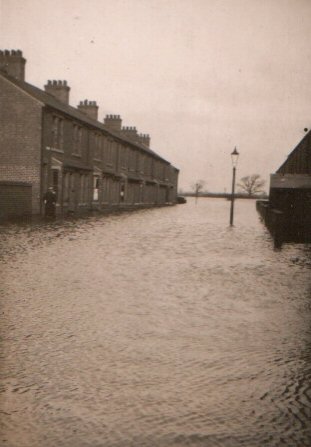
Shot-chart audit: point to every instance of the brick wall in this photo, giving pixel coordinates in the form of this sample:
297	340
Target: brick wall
20	138
15	200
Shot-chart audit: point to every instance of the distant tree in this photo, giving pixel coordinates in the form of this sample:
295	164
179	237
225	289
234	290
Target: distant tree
252	184
197	188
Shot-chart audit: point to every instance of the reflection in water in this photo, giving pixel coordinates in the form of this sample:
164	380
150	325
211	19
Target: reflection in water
163	327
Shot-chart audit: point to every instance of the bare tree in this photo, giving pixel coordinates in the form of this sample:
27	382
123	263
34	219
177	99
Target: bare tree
252	184
197	188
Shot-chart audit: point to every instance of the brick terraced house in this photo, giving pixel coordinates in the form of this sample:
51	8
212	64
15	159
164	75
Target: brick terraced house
91	165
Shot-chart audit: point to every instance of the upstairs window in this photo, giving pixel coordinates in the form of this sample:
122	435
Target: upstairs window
132	160
110	152
77	139
97	147
147	165
57	133
141	163
123	156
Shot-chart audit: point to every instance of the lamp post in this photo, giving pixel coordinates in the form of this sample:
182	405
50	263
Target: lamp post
234	158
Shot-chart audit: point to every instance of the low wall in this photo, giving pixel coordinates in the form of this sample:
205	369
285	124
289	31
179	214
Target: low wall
285	225
15	200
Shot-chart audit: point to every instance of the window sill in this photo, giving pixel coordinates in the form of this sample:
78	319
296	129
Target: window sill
54	149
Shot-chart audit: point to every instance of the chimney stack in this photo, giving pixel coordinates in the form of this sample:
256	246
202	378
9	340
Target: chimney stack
58	89
131	133
113	122
144	138
89	108
12	63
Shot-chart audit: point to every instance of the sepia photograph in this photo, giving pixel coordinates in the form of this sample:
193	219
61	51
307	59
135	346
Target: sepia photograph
155	223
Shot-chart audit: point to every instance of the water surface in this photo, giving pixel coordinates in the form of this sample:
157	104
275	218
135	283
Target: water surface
159	328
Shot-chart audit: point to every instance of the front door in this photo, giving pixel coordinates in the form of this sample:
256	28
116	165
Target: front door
72	206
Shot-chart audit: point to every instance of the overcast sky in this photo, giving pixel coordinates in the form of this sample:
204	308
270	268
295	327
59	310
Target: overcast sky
200	76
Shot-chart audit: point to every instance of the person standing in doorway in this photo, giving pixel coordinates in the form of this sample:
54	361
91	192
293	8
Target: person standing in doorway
49	199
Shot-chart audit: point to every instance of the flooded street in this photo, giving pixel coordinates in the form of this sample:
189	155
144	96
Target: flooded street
159	328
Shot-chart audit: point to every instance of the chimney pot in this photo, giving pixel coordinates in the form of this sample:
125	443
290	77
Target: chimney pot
89	108
113	122
13	64
131	133
59	89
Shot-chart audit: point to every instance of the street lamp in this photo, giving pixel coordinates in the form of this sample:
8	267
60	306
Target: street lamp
234	158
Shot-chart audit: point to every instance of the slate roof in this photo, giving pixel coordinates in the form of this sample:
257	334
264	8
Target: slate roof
51	101
303	150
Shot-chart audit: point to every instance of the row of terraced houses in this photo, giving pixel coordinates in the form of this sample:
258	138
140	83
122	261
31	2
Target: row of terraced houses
91	164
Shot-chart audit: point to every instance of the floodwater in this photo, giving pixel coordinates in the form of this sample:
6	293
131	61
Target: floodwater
159	328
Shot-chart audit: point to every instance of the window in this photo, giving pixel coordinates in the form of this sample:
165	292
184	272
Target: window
57	133
109	152
147	165
141	163
97	147
132	160
123	156
77	139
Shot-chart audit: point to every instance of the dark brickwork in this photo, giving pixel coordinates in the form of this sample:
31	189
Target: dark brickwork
20	138
15	200
288	212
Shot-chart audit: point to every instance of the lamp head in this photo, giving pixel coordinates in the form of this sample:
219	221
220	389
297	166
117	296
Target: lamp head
234	157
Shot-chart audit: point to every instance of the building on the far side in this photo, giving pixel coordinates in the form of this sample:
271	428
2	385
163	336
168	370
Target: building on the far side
92	165
288	212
